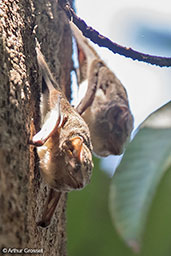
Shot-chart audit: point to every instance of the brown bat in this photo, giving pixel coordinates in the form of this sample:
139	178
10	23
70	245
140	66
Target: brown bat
105	106
64	145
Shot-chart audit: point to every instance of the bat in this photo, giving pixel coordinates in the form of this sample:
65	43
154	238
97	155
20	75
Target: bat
105	106
63	143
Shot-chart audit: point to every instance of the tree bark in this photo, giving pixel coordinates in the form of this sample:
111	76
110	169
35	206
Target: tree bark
22	191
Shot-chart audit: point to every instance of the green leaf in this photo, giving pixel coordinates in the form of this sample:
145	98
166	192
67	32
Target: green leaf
136	180
157	235
89	226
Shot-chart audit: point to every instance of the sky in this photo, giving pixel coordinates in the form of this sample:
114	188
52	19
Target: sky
143	26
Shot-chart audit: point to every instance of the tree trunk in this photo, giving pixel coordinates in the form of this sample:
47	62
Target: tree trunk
22	191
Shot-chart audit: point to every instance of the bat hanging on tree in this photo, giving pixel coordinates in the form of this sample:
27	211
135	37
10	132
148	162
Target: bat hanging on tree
63	143
105	106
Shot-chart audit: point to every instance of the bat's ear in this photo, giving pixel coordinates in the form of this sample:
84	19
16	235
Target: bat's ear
82	60
81	56
54	120
75	145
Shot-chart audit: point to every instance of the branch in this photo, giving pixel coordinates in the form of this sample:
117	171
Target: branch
103	41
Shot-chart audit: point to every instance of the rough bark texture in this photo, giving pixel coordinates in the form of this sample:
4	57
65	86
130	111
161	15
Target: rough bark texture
22	190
